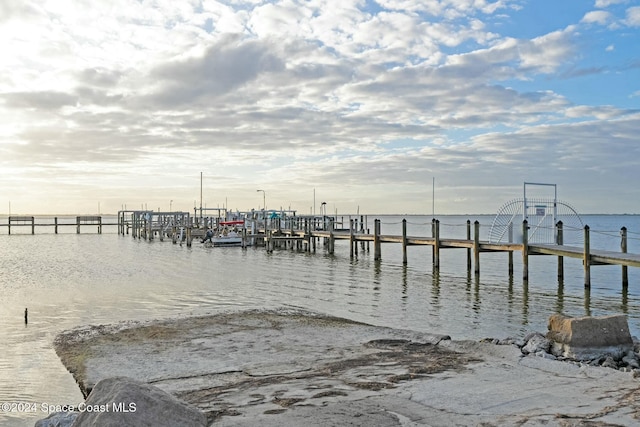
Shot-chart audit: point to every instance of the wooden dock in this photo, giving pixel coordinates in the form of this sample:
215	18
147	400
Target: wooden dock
304	233
79	222
473	245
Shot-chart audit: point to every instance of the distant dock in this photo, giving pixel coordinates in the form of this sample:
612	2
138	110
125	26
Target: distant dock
79	222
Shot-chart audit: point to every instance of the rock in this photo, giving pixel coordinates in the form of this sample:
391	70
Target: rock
609	362
586	338
545	355
58	419
123	402
631	360
536	343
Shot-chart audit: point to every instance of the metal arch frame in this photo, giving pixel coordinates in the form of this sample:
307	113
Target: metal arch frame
555	199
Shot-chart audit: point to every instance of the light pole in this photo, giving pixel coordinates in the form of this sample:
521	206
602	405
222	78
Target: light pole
264	199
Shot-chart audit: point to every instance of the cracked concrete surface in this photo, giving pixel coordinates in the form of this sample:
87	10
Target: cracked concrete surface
286	368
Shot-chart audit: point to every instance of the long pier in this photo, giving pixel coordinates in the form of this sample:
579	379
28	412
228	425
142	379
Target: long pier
30	221
473	245
303	232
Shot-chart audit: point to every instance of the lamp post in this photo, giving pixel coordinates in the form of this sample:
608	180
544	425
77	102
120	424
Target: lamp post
264	199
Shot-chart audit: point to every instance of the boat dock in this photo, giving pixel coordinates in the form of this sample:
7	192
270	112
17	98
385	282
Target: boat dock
472	243
79	222
305	232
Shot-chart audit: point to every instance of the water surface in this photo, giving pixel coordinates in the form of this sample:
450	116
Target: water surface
67	280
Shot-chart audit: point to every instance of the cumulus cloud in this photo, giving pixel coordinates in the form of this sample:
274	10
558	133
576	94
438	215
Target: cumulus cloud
597	17
389	93
633	16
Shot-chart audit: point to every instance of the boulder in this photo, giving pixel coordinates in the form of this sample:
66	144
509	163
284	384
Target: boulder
536	343
58	419
124	402
588	338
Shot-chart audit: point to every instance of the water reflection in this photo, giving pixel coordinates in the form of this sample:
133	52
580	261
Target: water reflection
587	300
525	302
435	288
560	297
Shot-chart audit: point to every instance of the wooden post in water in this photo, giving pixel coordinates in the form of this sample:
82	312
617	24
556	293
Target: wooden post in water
560	242
510	252
77	225
100	225
377	253
433	235
33	225
332	240
587	258
476	246
469	249
352	242
525	250
436	246
623	247
404	241
55	225
189	237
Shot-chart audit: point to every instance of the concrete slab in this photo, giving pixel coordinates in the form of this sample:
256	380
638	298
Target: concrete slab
285	367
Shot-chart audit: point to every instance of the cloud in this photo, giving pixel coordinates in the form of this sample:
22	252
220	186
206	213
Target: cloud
225	66
633	16
45	100
607	3
597	17
342	95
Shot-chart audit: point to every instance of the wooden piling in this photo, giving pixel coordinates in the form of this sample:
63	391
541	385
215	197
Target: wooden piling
510	253
469	249
560	242
525	250
55	225
433	235
352	242
476	246
586	260
436	246
404	242
377	253
623	247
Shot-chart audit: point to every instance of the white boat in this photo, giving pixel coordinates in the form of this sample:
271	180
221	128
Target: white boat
224	236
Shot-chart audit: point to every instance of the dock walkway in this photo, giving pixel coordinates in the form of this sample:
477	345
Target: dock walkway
473	245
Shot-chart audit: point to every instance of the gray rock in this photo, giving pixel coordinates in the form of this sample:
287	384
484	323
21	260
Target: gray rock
123	402
545	355
609	362
536	343
631	360
58	419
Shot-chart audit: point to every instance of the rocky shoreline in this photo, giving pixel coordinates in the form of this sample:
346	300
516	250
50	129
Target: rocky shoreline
289	367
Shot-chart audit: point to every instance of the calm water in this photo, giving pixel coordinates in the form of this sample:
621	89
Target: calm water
67	280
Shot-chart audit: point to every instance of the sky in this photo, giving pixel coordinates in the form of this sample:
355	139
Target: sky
366	105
